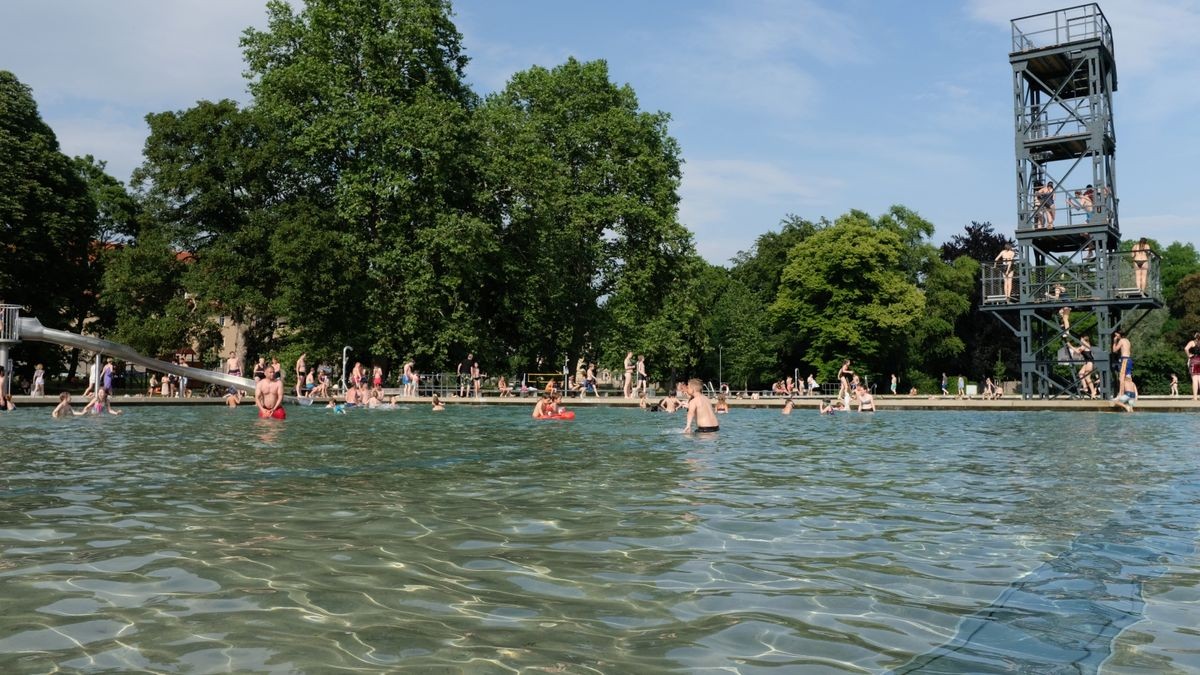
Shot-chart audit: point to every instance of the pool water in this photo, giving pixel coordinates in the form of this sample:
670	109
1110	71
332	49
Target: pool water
479	540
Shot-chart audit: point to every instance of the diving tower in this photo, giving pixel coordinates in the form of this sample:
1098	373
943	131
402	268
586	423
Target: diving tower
1068	234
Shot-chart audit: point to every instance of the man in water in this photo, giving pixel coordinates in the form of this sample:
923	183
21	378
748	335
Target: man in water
268	396
700	409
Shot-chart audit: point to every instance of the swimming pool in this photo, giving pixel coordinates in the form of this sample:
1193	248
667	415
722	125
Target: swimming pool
478	540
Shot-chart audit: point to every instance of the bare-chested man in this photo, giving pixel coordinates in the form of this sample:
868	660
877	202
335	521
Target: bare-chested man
1006	258
301	373
268	395
643	380
233	366
409	379
700	409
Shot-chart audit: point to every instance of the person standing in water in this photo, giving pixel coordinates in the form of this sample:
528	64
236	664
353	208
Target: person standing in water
268	396
700	409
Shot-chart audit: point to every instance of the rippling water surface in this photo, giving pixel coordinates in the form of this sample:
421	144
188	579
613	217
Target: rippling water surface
477	540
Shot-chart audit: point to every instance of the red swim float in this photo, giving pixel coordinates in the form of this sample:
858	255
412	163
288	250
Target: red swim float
564	415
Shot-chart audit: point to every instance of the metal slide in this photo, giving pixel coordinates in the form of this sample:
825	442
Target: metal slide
32	329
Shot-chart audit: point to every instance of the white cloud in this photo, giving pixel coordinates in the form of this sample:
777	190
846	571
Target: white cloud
759	62
1166	227
727	202
109	139
132	53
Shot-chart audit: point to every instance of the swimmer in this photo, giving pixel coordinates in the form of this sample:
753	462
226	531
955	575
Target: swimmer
700	409
788	405
233	397
436	404
101	404
64	408
722	406
826	408
541	409
866	402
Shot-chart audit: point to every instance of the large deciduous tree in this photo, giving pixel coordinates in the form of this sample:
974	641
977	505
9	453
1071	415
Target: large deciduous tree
846	292
372	110
47	218
584	185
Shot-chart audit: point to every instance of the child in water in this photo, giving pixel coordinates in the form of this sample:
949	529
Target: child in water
64	408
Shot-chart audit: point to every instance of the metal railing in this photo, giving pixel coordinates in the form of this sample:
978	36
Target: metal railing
1063	26
9	325
1071	206
1103	275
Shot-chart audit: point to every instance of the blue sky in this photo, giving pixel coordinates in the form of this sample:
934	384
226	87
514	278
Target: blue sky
780	106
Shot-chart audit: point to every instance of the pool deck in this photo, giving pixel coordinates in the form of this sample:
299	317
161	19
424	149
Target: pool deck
884	403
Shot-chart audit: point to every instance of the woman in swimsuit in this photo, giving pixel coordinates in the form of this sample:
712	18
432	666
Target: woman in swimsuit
1192	351
1084	351
260	369
844	378
628	389
1141	263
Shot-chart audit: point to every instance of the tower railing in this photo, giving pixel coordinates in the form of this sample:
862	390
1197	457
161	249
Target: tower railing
1062	26
1087	279
1080	205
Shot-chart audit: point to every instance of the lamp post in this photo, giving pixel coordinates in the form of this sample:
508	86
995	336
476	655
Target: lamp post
720	366
344	351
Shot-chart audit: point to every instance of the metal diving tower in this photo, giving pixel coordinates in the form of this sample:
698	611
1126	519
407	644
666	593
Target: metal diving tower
1068	265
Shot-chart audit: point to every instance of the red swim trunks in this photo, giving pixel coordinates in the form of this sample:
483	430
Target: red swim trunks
279	414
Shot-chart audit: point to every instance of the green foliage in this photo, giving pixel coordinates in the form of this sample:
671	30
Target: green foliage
584	185
760	268
1176	262
947	299
48	218
143	284
846	292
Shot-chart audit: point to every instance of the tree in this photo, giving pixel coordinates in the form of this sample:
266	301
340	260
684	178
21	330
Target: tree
143	286
213	177
846	293
47	219
1176	261
738	324
760	268
985	339
372	111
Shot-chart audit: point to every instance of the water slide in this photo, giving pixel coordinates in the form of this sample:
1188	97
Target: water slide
32	329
